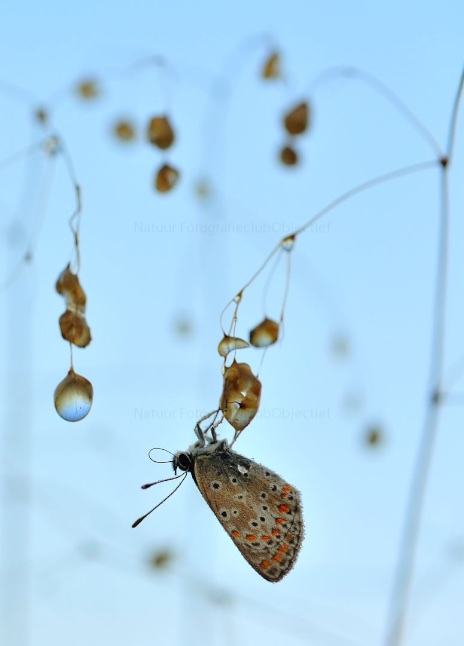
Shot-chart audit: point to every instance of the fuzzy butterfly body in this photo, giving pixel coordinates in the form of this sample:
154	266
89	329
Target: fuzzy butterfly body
259	510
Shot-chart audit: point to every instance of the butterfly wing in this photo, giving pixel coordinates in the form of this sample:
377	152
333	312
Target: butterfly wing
259	510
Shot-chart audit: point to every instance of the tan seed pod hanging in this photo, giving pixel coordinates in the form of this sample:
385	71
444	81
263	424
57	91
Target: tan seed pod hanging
74	329
289	156
68	285
166	178
230	343
296	120
241	395
272	67
160	133
264	334
124	130
88	89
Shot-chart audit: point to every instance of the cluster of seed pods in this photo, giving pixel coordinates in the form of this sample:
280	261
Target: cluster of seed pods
241	390
160	134
73	395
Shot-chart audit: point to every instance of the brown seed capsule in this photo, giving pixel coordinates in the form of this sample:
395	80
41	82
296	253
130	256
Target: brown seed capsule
264	334
162	559
88	89
289	156
296	120
68	286
160	133
272	68
166	178
240	395
230	343
74	329
374	436
124	130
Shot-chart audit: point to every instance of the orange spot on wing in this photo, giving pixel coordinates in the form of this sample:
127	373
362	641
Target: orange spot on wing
277	558
265	565
284	508
275	532
250	538
266	538
279	521
235	533
286	489
282	549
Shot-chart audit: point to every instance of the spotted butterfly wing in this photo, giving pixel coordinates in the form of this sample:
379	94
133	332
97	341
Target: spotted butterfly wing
259	510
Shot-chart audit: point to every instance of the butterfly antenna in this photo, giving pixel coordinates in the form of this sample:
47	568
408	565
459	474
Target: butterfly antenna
158	448
182	475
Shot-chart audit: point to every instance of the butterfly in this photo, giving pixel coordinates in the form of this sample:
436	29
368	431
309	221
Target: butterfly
259	510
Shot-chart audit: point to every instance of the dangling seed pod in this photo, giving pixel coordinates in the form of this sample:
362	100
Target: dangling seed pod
241	395
264	334
297	119
124	130
272	67
166	178
160	133
289	156
230	343
73	397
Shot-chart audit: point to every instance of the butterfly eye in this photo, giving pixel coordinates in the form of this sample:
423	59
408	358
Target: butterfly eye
182	461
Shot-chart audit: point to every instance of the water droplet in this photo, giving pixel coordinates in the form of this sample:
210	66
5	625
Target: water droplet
73	397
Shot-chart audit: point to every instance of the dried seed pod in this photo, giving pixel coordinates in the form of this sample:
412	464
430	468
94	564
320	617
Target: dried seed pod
264	334
73	397
161	559
289	156
296	120
288	243
124	130
272	67
241	394
68	285
166	178
374	436
74	329
88	89
230	343
160	133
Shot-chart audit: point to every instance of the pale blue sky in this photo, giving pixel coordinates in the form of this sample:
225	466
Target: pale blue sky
148	261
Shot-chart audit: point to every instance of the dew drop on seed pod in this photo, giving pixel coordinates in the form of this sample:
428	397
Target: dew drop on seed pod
288	243
88	89
230	343
124	130
160	133
166	178
73	397
289	156
296	120
272	67
264	334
